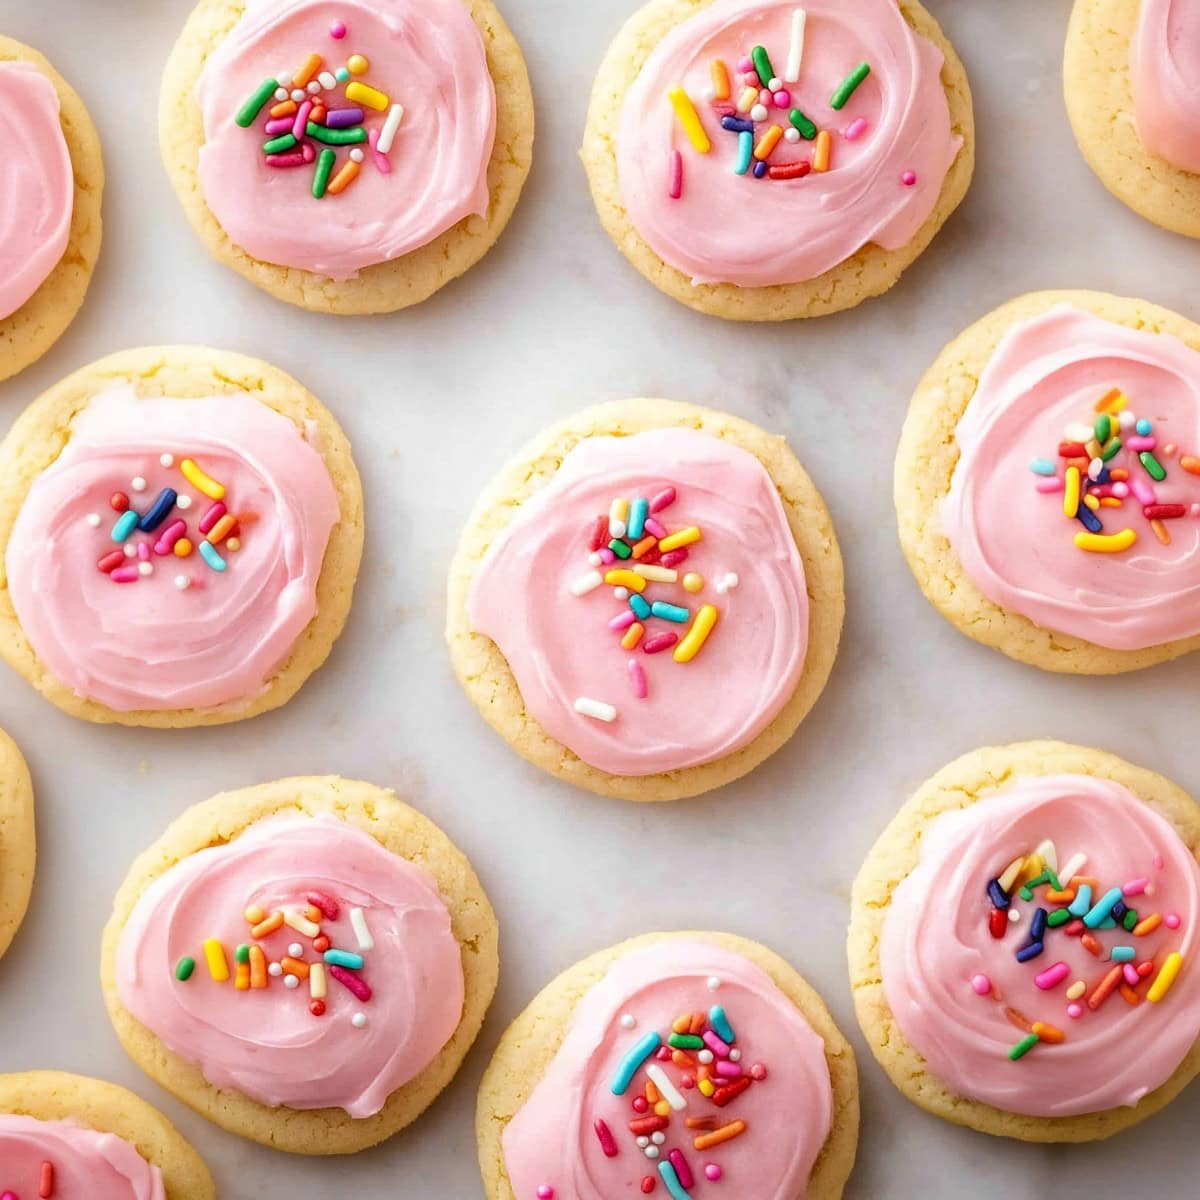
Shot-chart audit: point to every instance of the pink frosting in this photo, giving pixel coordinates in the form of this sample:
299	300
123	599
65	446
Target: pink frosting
1165	72
1015	542
727	228
424	54
149	644
560	647
37	189
265	1043
936	941
87	1165
552	1141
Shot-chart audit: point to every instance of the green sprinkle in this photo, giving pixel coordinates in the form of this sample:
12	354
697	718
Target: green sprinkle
246	114
619	548
1110	450
685	1041
762	64
1130	919
1103	428
847	87
183	972
1060	916
325	161
336	137
1046	876
1153	467
1023	1047
808	130
242	954
278	145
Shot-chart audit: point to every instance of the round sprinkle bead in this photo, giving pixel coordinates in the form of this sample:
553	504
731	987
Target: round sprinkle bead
692	582
337	30
281	93
275	969
545	1192
628	1021
746	65
714	983
640	1104
1172	921
317	1007
341	74
138	483
705	1056
909	178
791	134
1014	915
314	86
295	949
1075	1011
184	502
735	1055
359	1020
758	1072
658	1138
299	94
647	1184
620	593
652	1151
782	98
93	519
183	582
643	1142
291	982
234	544
712	1172
1144	427
166	460
118	502
130	550
145	568
357	64
758	112
357	155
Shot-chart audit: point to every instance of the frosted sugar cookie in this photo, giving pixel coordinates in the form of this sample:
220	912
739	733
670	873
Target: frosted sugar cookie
18	843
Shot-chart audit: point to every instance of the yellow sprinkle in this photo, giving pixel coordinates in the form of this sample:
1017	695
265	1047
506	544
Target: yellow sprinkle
747	100
1165	977
1071	493
300	923
254	914
693	582
768	142
1034	865
706	1087
695	637
1076	990
720	79
682	537
633	635
619	577
685	110
662	1109
823	150
1114	401
202	482
357	64
1105	543
214	955
618	511
363	93
183	548
1093	502
1009	875
1093	448
316	980
656	574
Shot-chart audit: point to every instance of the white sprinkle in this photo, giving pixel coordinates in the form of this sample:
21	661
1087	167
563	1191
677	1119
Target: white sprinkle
658	1137
300	923
709	93
594	558
358	922
284	79
299	94
359	1020
183	582
357	155
587	583
620	593
183	502
94	520
1071	868
796	50
713	983
643	1142
295	949
166	460
1126	420
1095	467
1079	432
726	582
387	134
616	529
669	1092
1049	853
656	574
275	969
314	86
281	93
1014	915
758	112
628	1021
328	82
145	568
651	1151
735	1056
130	550
705	1056
791	134
291	982
138	484
595	708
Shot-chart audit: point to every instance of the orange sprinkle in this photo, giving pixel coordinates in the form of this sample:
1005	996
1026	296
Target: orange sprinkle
1113	401
294	966
254	914
651	1092
701	1122
1077	881
633	635
1147	925
725	1134
258	967
222	529
1120	474
682	1024
1111	502
823	150
699	1020
720	79
1160	531
662	1109
644	546
343	179
1090	944
318	114
768	142
1129	995
242	979
266	928
1063	897
308	68
680	1059
1105	988
1049	1033
1019	1019
314	914
1189	463
285	108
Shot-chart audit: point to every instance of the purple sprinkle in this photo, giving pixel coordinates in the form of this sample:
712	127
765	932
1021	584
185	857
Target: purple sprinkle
343	118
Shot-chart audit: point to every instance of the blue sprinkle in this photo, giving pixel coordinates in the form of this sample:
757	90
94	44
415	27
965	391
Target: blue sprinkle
1037	926
1100	910
342	74
209	553
1107	923
675	1189
1082	901
1122	954
632	1061
760	169
745	152
639	606
126	524
1088	519
737	125
343	958
159	511
996	894
1144	427
639	510
1030	951
1119	910
669	612
1043	466
721	1025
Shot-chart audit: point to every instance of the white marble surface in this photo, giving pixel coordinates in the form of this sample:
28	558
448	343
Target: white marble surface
434	400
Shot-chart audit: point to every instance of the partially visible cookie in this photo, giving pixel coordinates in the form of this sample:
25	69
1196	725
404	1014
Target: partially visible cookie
672	1060
759	160
1048	482
1131	74
305	963
348	156
1024	942
69	1122
180	530
51	186
18	846
647	601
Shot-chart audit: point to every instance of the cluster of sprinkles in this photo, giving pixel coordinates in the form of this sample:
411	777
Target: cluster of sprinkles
306	124
165	528
757	106
631	551
1070	904
45	1184
1091	477
702	1049
314	966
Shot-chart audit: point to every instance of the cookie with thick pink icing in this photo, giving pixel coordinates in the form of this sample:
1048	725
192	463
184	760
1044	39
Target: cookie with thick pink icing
1048	482
318	147
1023	943
50	192
689	1063
67	1137
304	962
1132	81
180	534
680	599
764	159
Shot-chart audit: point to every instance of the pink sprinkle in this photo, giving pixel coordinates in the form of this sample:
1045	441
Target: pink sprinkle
1172	920
1120	489
124	575
637	677
1159	862
715	1044
545	1192
712	1172
607	557
724	109
1051	977
1141	443
1135	887
1144	494
1049	485
1196	510
783	99
746	65
660	642
382	163
655	527
301	122
728	1070
663	1054
640	1104
623	620
856	129
687	1082
1075	1011
298	158
759	1072
676	175
1131	975
278	126
169	536
981	985
750	78
682	1169
664	499
674	557
327	904
337	30
764	96
607	1142
143	551
211	516
350	982
908	178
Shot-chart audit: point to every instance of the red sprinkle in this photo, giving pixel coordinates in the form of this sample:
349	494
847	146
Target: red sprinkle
111	561
648	1183
321	944
640	1104
674	557
758	1071
1072	450
660	642
731	1091
607	1142
598	534
1164	512
997	922
1073	928
645	1126
118	502
327	904
792	170
317	1008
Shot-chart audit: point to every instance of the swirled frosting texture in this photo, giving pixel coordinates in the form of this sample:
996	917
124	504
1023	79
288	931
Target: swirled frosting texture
37	189
87	1165
265	1043
936	939
425	54
1014	542
727	228
560	648
551	1140
1165	72
148	645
